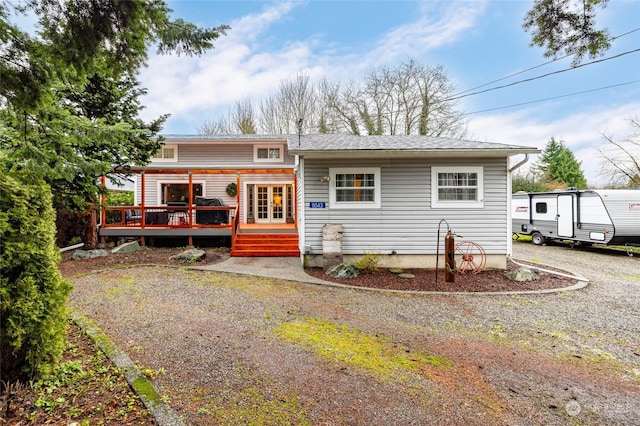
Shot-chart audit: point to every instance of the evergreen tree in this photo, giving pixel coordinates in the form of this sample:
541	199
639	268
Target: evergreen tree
32	292
68	114
567	27
559	166
72	96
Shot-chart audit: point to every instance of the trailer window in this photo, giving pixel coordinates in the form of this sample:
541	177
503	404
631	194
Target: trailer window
541	207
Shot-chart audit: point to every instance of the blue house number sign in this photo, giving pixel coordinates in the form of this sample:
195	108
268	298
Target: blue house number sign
317	205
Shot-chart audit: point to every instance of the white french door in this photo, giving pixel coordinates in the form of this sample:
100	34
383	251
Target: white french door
270	203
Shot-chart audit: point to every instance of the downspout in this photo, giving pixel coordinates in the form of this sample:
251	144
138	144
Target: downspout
526	158
509	200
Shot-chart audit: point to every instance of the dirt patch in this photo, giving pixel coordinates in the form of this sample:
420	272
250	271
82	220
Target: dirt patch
508	359
146	256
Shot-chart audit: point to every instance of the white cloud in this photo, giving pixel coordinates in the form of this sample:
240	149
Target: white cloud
439	24
581	132
235	69
241	67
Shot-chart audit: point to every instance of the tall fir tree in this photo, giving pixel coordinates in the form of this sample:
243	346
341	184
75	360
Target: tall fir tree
559	167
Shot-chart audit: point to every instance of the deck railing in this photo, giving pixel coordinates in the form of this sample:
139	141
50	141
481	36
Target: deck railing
140	217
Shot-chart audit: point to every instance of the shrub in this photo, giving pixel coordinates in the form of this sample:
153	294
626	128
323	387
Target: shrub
368	263
32	291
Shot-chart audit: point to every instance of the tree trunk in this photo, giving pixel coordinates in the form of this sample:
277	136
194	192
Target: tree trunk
91	230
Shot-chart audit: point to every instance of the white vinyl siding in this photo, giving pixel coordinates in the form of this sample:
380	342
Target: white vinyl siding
227	156
212	186
406	222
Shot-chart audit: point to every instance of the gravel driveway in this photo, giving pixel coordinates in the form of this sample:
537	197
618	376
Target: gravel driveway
233	349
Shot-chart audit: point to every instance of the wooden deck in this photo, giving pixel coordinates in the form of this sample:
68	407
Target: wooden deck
263	240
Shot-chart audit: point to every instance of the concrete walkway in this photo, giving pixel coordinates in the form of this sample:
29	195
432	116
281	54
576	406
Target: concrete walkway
285	268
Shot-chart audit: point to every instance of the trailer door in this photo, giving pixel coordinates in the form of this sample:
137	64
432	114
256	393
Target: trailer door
565	216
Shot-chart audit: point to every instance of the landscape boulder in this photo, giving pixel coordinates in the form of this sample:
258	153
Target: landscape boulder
190	256
88	254
129	247
523	274
343	270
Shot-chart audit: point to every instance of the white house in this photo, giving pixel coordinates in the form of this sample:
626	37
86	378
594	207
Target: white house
389	193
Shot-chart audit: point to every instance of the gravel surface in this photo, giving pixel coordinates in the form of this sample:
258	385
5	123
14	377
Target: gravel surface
220	346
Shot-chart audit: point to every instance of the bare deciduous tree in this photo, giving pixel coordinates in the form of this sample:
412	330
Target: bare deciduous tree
240	120
409	99
621	159
244	117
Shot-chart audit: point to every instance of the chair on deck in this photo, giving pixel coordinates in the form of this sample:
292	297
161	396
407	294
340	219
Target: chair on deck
132	216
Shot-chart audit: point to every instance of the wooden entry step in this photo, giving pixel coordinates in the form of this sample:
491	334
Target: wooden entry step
265	245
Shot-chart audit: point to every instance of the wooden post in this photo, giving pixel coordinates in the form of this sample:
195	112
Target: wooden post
142	205
190	218
237	196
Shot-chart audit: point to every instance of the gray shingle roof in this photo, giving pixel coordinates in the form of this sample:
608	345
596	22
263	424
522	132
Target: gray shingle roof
308	144
340	144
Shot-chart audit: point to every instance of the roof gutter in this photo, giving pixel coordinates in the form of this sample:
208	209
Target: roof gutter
526	158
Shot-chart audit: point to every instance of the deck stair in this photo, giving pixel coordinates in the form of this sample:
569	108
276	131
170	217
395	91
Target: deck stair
268	244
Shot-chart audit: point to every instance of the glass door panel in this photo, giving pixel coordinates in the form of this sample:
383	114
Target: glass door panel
277	203
262	204
270	204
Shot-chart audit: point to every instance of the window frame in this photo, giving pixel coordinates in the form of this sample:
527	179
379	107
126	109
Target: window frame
166	159
256	148
160	183
377	188
462	204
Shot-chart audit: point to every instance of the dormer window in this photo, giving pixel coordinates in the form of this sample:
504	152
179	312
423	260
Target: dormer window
268	154
166	153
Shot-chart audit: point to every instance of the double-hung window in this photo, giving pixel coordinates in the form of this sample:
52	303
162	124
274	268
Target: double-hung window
460	187
354	187
166	153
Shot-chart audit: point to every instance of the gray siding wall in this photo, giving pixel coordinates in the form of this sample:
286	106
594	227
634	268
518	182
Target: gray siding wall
220	156
406	223
214	186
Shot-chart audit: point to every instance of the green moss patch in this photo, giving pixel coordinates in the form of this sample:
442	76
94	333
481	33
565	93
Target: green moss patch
251	407
376	354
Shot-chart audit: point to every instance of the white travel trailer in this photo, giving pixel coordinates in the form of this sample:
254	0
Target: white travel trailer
589	216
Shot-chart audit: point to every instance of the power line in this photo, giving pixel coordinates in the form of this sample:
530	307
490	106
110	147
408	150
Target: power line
541	65
554	97
453	98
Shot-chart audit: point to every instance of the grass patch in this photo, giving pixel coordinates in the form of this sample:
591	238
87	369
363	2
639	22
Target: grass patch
375	354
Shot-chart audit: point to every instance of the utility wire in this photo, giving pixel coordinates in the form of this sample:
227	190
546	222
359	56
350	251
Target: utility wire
553	97
538	66
453	98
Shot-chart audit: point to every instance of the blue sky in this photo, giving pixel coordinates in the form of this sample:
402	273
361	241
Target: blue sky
476	42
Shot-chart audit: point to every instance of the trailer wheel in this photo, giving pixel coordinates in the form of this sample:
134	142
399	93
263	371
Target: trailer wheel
537	239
